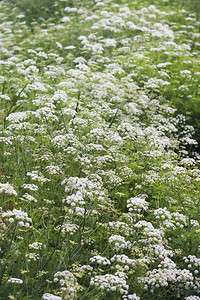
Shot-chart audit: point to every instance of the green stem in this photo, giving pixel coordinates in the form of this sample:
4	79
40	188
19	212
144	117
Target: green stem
52	253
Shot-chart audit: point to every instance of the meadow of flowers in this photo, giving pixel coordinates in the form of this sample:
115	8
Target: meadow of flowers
99	157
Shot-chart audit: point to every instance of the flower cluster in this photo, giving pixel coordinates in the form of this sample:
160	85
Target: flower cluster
18	215
193	263
32	257
67	282
159	278
119	242
170	220
131	297
28	198
100	260
48	296
137	204
7	188
123	260
35	175
68	227
111	283
15	280
36	246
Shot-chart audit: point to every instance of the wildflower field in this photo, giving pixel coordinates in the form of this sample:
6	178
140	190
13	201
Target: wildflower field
100	155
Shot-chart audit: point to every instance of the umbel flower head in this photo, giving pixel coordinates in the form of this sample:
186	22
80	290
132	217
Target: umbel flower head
7	188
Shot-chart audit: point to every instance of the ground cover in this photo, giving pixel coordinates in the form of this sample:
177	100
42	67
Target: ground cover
99	161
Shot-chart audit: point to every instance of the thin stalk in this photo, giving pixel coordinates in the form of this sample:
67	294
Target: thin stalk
52	253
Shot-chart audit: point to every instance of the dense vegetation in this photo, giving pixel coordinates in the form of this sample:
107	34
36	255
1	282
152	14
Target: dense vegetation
99	158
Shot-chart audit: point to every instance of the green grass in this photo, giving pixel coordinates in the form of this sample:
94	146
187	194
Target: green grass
99	160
